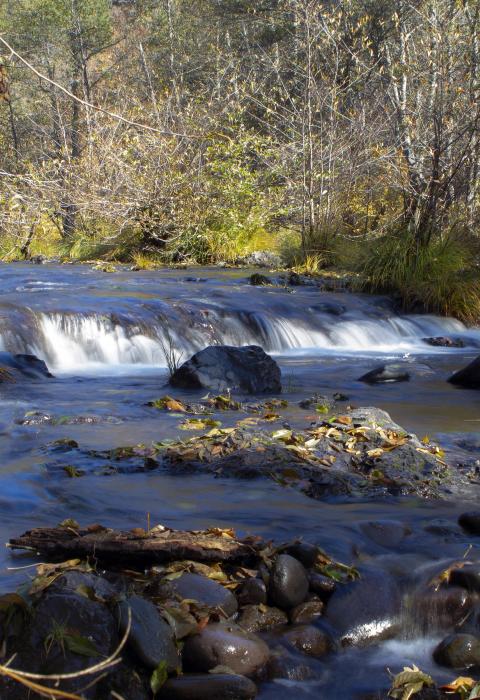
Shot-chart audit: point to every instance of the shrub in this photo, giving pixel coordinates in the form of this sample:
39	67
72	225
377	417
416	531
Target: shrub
441	278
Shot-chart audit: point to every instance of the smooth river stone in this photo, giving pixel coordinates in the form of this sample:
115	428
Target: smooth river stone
223	644
151	638
288	584
458	651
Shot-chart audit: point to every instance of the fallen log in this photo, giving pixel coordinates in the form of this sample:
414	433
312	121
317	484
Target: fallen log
136	547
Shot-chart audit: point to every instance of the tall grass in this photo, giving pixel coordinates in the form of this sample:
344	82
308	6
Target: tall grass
442	278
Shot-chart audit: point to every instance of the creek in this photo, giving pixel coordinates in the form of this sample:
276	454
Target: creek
103	337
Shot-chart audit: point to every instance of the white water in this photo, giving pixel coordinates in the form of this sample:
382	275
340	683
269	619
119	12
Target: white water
81	342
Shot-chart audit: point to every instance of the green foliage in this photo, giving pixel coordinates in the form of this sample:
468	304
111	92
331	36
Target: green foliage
440	278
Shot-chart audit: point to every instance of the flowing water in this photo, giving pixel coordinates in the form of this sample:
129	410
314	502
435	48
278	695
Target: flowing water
104	335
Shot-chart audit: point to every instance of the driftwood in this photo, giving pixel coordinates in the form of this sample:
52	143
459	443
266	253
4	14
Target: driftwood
135	548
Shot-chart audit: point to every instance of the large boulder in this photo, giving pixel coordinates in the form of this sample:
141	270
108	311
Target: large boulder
222	367
469	376
13	367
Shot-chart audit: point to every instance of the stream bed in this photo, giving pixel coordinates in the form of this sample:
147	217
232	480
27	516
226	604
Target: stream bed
103	337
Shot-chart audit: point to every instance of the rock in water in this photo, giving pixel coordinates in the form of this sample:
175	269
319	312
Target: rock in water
258	280
228	645
469	376
366	610
222	367
24	366
458	651
470	522
444	342
151	638
386	373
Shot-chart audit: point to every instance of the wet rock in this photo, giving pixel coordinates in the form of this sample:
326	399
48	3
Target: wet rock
209	687
24	366
258	280
309	640
386	533
442	527
329	308
294	279
305	552
254	618
434	610
470	522
467	577
318	403
224	644
469	376
322	585
283	665
224	367
288	585
151	638
458	651
444	342
252	591
365	610
203	590
386	374
306	612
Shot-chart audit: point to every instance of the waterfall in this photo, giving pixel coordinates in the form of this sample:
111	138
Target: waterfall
70	341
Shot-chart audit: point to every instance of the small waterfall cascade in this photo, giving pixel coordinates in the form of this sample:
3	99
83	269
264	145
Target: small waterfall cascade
70	341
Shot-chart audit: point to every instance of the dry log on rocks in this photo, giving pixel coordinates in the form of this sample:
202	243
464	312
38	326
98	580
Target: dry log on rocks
135	548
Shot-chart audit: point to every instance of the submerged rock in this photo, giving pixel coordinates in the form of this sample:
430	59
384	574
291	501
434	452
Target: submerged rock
441	609
224	367
205	686
151	638
223	644
18	366
288	584
469	376
458	651
386	374
466	577
386	533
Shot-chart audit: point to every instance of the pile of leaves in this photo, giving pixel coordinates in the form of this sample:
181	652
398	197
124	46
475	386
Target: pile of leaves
410	681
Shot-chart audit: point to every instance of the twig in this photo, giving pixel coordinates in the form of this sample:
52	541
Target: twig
138	125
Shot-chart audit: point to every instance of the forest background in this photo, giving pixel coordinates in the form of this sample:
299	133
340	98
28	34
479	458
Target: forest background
338	134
